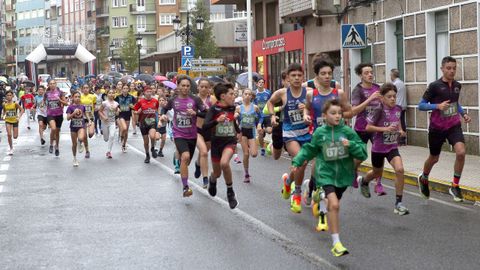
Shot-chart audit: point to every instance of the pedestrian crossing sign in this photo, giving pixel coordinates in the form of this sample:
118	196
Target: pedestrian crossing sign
354	36
186	63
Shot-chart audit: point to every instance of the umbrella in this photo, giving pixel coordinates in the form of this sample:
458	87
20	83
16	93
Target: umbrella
89	76
170	84
3	79
160	78
146	78
127	79
242	79
29	83
215	79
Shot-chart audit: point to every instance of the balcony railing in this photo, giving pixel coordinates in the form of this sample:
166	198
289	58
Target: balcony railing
11	24
146	29
102	11
240	14
147	8
103	31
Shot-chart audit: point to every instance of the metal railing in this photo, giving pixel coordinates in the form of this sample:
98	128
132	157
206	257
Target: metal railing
148	7
103	30
104	10
240	14
145	28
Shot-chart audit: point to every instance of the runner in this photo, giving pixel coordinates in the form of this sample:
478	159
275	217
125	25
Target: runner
186	108
248	115
55	100
334	146
220	120
27	101
89	101
100	95
41	112
384	123
203	136
76	115
365	98
161	134
108	112
146	109
134	93
238	101
11	117
295	130
442	98
126	102
262	95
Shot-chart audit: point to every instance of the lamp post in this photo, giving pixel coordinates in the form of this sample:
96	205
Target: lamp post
139	46
112	47
187	32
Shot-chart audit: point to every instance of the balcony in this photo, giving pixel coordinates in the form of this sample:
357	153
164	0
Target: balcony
147	50
10	59
11	41
102	12
146	29
148	8
9	7
103	31
11	24
302	8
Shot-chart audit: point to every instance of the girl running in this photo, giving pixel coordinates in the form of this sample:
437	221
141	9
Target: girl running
126	102
41	112
76	115
334	146
161	134
88	100
384	121
108	112
146	110
134	93
100	98
55	100
11	117
248	115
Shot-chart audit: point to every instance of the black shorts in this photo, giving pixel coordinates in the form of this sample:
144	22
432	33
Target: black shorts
75	129
125	115
15	125
217	150
378	159
206	134
58	120
267	122
42	119
144	129
249	133
331	188
436	138
162	130
365	136
185	145
277	136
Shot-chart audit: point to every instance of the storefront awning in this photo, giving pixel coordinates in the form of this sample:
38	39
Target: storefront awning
157	56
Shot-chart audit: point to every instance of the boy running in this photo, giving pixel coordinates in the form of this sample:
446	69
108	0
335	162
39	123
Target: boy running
27	101
126	102
262	95
146	109
41	112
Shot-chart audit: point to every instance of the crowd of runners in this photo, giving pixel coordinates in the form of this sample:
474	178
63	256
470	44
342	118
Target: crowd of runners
313	121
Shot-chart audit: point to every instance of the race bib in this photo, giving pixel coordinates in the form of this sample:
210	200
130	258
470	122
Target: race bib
77	122
149	121
261	104
111	115
11	114
451	110
296	116
88	109
124	108
54	104
184	121
390	137
28	101
320	121
225	130
248	120
334	151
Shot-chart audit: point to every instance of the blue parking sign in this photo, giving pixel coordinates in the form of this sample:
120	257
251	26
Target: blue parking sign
188	51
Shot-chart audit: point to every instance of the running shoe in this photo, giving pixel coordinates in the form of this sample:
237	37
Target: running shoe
10	152
379	189
80	147
286	189
268	151
124	149
147	159
296	203
50	149
75	162
57	152
262	151
109	155
456	193
339	250
160	153
322	225
42	141
154	153
306	195
177	166
205	182
187	192
87	154
400	209
28	128
247	179
237	160
212	187
232	200
134	132
364	188
197	170
423	186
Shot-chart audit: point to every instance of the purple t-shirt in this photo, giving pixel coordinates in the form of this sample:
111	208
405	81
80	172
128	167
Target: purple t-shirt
185	125
54	106
76	122
384	116
438	92
359	95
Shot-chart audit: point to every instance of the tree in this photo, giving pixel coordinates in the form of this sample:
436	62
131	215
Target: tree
203	41
102	56
129	53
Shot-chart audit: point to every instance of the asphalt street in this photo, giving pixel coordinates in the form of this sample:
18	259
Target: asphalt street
124	214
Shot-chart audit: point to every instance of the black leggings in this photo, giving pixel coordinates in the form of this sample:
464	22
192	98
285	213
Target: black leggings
98	122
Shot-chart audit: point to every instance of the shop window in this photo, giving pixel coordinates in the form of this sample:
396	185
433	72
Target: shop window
260	65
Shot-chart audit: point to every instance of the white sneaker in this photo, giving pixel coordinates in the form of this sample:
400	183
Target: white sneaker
75	162
80	147
10	152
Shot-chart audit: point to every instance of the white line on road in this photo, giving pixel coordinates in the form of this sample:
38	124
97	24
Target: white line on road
1	189
2	178
7	158
4	167
288	244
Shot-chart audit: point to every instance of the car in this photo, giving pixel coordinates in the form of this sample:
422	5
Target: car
43	79
64	85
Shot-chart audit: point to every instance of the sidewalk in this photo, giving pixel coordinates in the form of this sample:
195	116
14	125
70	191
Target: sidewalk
441	176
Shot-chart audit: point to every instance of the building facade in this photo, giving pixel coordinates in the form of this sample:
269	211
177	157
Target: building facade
10	37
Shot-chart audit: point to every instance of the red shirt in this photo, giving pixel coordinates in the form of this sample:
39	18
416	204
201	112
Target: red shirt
149	110
27	101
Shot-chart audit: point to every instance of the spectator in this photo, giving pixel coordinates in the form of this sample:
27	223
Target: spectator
401	100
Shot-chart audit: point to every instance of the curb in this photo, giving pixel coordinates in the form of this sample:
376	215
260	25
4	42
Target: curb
470	194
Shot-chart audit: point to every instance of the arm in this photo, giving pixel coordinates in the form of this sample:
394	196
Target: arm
20	108
426	106
346	107
259	115
308	151
63	100
357	148
69	114
362	106
201	111
210	121
306	111
275	98
101	113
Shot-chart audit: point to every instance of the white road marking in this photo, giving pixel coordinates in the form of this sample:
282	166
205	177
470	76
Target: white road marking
1	189
2	178
288	244
7	158
4	167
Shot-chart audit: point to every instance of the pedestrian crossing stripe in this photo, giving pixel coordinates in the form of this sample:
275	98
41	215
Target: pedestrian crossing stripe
353	36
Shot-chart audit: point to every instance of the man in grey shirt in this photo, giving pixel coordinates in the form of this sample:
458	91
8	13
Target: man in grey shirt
401	100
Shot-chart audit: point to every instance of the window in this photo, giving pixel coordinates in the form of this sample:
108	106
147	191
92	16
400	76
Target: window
20	16
123	21
441	38
166	19
115	3
123	3
115	22
28	15
118	42
82	4
166	2
76	6
141	23
47	13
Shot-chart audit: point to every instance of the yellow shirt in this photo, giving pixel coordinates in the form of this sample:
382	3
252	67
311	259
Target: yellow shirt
134	93
89	102
10	112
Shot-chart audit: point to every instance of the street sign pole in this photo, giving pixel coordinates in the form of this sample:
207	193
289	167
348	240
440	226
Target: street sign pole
249	44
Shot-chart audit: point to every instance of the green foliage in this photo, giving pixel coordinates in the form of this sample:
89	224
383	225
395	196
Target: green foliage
203	41
129	52
102	56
